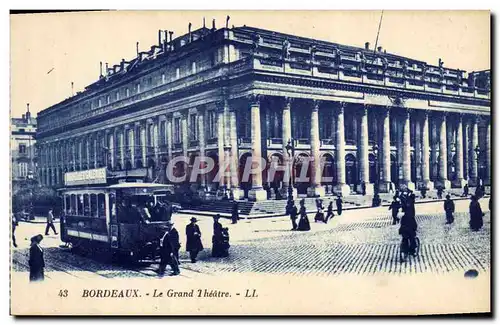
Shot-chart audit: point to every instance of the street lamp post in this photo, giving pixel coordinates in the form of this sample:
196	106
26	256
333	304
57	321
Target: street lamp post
477	150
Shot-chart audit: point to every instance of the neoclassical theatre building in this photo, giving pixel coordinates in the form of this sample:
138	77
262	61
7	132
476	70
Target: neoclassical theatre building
364	117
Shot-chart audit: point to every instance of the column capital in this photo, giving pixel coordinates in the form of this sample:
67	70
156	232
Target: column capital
254	99
341	107
315	104
287	102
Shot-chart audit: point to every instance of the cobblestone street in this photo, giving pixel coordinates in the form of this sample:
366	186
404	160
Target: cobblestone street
360	242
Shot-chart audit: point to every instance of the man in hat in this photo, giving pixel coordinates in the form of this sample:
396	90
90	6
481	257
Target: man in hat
36	261
449	208
193	242
168	245
174	239
293	215
50	222
235	213
217	237
339	202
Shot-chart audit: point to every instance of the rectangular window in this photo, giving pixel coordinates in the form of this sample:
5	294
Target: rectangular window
118	95
107	99
177	130
212	125
162	132
99	103
127	92
193	127
22	148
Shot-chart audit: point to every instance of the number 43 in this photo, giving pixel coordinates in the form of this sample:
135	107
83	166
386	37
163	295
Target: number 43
63	293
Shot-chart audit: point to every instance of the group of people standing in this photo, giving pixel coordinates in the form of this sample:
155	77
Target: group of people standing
301	213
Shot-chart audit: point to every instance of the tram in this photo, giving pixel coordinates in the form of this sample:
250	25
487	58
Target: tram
103	214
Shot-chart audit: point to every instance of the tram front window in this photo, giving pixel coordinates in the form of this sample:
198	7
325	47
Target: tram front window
101	205
93	205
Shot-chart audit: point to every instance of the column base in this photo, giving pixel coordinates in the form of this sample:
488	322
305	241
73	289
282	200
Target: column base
369	188
237	193
342	189
473	182
285	192
444	184
403	185
315	191
428	184
459	183
386	187
257	194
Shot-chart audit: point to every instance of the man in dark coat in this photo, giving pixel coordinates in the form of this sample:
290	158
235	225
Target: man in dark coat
304	220
193	242
449	208
440	192
36	261
14	225
235	213
175	240
329	212
217	237
338	201
476	214
394	207
408	228
50	223
168	248
293	215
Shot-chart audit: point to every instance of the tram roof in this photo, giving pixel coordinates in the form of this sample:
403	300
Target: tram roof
139	185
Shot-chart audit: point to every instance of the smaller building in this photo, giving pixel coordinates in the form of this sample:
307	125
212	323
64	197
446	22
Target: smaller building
23	150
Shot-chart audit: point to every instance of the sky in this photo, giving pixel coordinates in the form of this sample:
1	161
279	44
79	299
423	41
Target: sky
71	45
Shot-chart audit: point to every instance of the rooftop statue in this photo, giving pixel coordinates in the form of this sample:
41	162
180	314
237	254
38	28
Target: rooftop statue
286	49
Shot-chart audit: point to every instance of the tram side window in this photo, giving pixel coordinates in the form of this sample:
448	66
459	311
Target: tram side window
73	205
79	205
101	206
67	204
93	205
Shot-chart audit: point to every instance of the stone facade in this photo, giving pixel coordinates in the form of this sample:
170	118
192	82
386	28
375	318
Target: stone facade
23	150
367	119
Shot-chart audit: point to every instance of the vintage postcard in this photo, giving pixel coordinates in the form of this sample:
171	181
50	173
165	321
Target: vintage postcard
250	163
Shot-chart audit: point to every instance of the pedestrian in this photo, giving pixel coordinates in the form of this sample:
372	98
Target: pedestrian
363	189
329	212
394	207
36	261
339	202
476	214
376	202
174	239
14	225
440	193
449	208
50	223
293	216
193	242
466	190
408	228
168	244
235	213
304	220
320	216
217	237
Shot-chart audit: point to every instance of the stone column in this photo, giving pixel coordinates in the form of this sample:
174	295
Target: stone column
385	160
156	147
465	126
131	144
316	189
221	144
459	151
111	147
407	183
202	143
434	149
87	149
425	153
364	162
341	187
418	150
168	131
121	144
74	145
287	137
443	155
233	138
257	193
96	139
473	179
56	164
487	180
143	127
